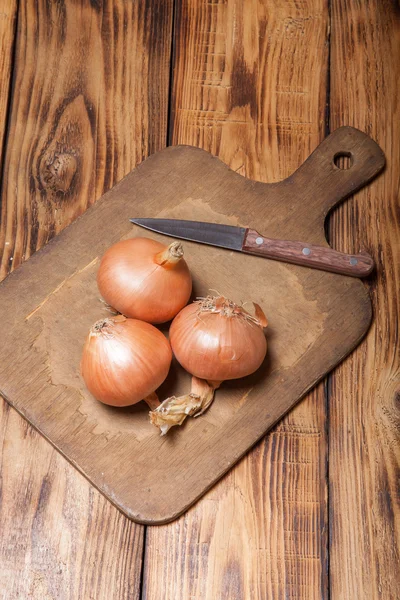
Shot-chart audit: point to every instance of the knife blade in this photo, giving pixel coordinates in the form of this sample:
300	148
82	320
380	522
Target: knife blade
248	240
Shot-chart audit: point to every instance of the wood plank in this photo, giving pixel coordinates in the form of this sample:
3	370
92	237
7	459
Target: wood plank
260	532
60	539
364	437
90	102
82	118
8	16
250	86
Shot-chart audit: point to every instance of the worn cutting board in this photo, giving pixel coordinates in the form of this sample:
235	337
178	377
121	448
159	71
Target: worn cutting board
315	319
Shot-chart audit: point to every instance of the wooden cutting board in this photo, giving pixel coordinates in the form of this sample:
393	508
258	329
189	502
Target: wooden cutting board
315	319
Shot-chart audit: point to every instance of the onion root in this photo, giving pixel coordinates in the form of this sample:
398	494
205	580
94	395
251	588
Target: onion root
174	410
152	401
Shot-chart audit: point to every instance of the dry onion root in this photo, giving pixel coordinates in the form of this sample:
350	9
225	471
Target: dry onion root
125	361
143	279
174	410
215	340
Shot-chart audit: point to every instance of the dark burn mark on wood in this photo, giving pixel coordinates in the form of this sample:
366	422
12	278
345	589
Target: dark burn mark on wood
57	169
44	496
107	72
26	106
97	4
91	111
34	229
232	585
126	25
179	37
385	524
61	20
244	83
58	172
115	23
158	16
385	500
44	492
361	31
45	109
396	5
58	164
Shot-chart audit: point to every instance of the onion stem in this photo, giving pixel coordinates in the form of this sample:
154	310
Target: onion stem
174	410
170	256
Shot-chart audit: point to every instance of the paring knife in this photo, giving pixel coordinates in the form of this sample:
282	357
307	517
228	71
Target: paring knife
250	241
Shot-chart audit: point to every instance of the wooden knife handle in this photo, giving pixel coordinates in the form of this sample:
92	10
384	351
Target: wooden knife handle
308	255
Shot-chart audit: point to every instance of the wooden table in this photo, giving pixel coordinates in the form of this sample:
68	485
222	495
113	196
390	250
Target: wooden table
89	89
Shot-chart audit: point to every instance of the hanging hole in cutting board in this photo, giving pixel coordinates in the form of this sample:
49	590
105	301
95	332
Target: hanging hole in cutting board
343	160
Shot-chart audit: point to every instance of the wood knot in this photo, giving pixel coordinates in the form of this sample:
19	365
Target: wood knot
58	172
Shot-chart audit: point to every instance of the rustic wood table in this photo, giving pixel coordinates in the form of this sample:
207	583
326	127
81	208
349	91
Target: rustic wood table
88	90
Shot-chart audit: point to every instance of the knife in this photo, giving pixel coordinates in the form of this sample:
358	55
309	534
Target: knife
250	241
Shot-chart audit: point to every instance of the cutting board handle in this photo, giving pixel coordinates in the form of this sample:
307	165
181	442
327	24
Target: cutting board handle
323	174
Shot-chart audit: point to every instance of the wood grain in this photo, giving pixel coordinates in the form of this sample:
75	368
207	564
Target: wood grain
8	15
250	87
252	536
364	455
89	102
60	539
82	116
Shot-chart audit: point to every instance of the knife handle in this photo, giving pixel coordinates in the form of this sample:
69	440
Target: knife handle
308	255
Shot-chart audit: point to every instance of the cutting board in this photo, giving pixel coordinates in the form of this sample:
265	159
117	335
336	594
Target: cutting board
315	319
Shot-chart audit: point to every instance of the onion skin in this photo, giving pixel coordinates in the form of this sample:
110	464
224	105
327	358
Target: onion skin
215	347
133	283
124	360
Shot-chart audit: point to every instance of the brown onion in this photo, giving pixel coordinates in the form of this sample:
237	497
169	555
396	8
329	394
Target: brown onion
125	361
145	280
214	339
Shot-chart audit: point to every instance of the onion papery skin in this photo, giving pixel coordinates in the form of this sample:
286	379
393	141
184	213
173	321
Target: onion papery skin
215	347
131	281
124	360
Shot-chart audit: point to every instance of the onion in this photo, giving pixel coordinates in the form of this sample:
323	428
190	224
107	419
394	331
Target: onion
143	279
214	339
125	361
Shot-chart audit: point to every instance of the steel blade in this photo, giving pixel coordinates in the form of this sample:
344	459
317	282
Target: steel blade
213	234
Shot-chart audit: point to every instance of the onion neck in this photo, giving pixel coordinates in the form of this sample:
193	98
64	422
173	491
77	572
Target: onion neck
174	410
152	401
170	256
104	327
228	308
